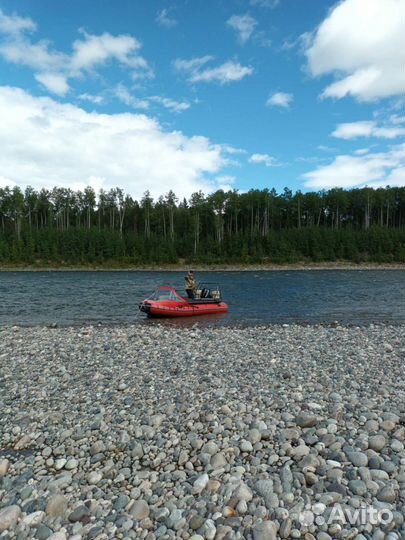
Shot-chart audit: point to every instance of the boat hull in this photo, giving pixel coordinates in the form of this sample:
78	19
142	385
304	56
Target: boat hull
180	309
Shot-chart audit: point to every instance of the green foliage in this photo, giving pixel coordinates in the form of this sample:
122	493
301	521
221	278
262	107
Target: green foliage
62	227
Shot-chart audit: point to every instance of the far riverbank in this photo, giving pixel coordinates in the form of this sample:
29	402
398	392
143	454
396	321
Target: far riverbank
205	268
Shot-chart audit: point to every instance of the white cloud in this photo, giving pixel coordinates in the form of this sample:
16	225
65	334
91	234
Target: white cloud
52	68
164	19
374	170
361	42
37	56
124	95
352	130
13	24
54	82
6	182
310	159
171	104
95	50
265	3
397	119
267	160
226	73
324	148
128	98
280	99
46	143
225	182
192	65
244	26
97	100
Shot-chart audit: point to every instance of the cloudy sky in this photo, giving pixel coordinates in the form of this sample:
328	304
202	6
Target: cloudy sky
189	95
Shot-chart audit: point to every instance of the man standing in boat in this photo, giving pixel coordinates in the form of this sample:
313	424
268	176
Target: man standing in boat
190	284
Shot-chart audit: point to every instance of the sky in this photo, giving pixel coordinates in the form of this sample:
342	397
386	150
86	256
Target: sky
196	95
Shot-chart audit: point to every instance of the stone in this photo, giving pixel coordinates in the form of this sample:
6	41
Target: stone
246	446
377	442
358	487
210	529
387	425
4	466
58	536
9	517
358	459
265	530
200	483
33	519
196	521
305	420
94	477
243	493
56	506
210	448
218	461
139	510
397	446
300	451
71	464
285	528
43	532
254	436
121	502
387	494
79	513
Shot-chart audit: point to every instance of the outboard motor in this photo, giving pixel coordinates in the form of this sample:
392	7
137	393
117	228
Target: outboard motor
205	293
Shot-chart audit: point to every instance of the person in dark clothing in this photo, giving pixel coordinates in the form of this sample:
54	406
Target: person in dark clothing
190	284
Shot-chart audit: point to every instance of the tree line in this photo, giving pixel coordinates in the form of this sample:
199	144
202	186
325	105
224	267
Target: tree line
63	226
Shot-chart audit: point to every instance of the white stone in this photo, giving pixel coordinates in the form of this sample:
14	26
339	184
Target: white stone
9	517
243	493
94	477
57	536
71	464
4	465
60	463
200	483
33	519
210	529
246	446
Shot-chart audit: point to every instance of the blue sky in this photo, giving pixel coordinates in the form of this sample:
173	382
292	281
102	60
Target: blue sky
189	95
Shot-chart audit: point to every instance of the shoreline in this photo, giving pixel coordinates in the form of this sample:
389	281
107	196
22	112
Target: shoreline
211	268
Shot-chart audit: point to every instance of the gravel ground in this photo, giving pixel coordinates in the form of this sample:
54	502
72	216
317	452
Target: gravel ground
215	433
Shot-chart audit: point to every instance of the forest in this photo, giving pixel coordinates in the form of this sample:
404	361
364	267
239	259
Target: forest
62	227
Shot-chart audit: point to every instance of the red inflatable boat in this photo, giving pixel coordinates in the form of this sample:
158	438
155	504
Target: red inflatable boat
167	302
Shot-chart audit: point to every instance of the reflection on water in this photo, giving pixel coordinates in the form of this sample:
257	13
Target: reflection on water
351	297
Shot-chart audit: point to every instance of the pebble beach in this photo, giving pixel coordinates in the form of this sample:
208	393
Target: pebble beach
154	432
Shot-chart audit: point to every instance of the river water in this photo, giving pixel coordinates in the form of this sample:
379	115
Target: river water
254	298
